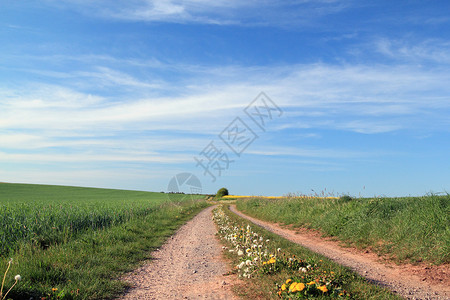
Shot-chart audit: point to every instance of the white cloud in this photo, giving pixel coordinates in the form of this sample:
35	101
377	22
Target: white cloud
229	12
207	102
308	152
431	50
127	157
65	125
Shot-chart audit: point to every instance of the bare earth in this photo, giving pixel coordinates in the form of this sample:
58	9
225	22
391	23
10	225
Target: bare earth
188	266
411	282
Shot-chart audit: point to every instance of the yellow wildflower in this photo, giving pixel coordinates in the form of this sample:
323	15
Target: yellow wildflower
54	289
311	283
323	288
283	287
289	280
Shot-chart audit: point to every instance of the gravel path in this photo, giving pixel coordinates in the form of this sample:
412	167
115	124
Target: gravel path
403	280
188	266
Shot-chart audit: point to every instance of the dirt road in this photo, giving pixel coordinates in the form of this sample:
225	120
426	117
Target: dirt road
408	281
188	266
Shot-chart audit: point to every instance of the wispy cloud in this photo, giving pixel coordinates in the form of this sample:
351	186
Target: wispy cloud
98	158
259	13
319	92
431	50
312	153
121	113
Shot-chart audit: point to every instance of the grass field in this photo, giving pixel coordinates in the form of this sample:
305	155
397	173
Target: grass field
269	265
46	215
74	243
410	229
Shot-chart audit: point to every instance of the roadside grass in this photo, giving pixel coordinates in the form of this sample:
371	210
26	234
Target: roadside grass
91	266
286	263
405	229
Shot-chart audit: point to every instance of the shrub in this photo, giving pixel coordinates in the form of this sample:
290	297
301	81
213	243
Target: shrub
345	198
222	192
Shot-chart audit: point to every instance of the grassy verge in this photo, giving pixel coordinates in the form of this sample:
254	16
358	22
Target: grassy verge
90	266
408	229
272	267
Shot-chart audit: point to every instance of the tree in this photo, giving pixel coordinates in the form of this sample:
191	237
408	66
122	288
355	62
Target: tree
222	192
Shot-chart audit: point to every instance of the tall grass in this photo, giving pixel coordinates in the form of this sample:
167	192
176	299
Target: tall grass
409	229
90	266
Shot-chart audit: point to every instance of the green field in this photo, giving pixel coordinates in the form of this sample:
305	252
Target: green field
74	243
406	229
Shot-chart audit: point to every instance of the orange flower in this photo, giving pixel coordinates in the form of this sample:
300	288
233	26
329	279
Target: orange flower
289	280
299	287
323	288
292	286
311	283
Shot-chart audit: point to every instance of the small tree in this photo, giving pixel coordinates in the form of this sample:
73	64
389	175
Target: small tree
222	192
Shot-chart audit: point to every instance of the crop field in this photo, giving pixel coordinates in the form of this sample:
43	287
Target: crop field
46	215
405	229
52	232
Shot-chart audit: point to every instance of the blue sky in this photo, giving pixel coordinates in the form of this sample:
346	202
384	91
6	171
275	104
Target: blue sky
124	94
